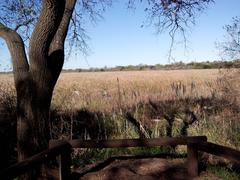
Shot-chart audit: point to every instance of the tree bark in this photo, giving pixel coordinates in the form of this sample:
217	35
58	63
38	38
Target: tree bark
33	134
35	81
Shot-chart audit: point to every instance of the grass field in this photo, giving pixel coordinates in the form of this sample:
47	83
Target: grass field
105	91
165	102
97	105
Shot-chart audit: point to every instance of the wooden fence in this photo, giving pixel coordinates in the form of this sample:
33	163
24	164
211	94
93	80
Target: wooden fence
62	148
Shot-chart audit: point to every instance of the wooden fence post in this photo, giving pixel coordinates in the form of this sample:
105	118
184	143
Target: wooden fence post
65	164
192	160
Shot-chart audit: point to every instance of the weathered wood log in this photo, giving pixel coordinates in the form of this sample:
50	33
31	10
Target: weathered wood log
165	141
218	150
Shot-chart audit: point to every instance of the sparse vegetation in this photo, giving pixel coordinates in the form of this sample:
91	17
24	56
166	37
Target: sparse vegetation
224	172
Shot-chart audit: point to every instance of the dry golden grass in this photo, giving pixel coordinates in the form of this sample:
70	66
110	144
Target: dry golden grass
111	91
115	93
105	91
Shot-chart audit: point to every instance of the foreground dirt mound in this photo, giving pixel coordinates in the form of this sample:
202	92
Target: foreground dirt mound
142	169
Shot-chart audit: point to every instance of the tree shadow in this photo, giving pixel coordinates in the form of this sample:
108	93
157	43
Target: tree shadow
132	167
8	140
81	124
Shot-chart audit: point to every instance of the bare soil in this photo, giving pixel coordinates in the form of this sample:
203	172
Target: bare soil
141	169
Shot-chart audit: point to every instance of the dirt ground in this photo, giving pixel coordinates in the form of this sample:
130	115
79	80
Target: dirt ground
140	169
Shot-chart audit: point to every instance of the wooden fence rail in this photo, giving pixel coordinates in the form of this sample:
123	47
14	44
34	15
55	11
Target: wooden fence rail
117	143
192	159
218	150
62	148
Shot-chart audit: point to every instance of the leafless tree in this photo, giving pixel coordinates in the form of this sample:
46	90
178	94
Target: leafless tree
230	47
43	27
175	16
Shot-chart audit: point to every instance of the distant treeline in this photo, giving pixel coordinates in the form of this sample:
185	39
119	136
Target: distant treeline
172	66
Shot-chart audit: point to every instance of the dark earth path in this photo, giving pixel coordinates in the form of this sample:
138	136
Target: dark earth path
142	169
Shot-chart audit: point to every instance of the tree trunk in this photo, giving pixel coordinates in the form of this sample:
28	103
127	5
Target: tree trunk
33	130
36	77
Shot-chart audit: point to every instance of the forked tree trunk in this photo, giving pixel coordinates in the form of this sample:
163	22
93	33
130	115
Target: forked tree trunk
35	79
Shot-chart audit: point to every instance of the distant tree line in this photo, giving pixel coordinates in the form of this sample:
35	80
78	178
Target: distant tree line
172	66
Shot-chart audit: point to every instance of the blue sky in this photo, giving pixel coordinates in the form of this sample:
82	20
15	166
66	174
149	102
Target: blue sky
118	39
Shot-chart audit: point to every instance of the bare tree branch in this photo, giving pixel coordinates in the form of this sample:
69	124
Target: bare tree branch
60	36
44	32
16	47
172	14
85	11
20	15
230	47
56	50
175	16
